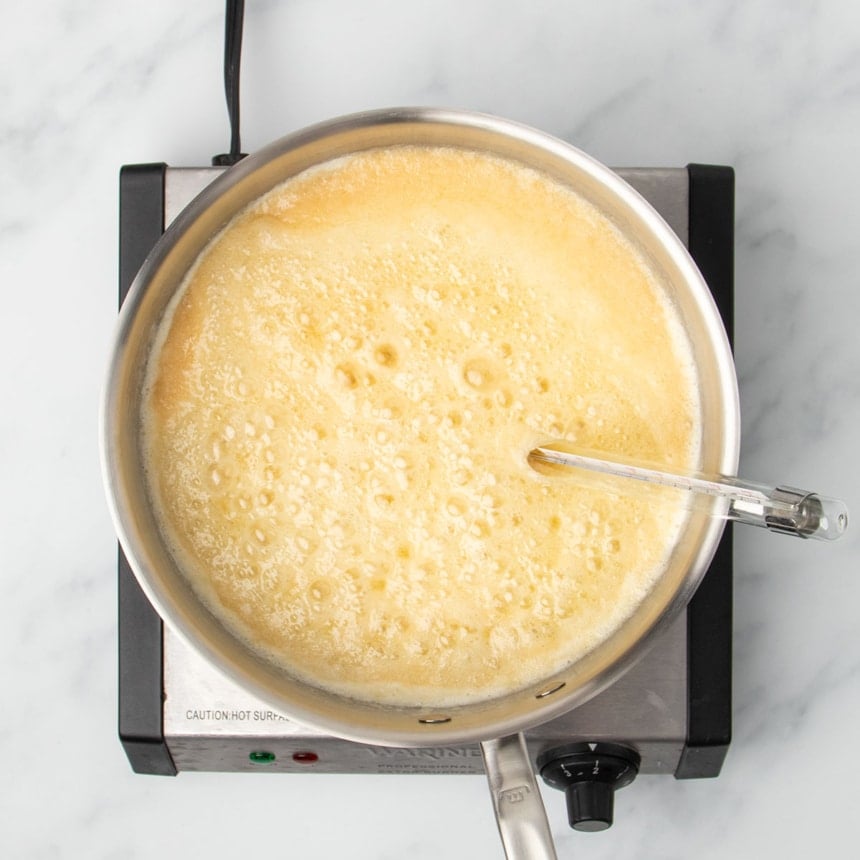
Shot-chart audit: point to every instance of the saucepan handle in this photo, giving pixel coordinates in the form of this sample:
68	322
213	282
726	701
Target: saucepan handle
519	808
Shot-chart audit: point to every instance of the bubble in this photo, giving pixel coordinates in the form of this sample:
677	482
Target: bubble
479	529
384	501
461	477
503	397
456	506
265	498
261	536
490	502
229	432
215	476
419	572
319	590
476	378
385	355
392	409
345	376
248	570
250	429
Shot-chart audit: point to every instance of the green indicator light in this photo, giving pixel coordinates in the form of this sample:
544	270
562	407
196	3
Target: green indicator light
262	757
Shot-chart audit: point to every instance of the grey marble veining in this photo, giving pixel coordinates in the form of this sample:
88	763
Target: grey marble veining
770	88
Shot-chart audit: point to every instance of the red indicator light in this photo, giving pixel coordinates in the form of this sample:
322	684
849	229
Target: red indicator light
305	757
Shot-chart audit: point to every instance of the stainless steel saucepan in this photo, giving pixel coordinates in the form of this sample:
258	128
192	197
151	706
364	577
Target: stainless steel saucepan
495	722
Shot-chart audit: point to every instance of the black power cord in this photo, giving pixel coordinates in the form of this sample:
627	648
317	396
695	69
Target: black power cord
232	62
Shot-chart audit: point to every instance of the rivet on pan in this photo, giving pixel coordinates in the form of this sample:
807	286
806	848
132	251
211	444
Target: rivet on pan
434	721
550	690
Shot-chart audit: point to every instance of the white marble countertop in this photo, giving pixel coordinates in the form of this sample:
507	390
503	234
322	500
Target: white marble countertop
770	88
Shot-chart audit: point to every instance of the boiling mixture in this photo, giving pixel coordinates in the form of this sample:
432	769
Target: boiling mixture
340	401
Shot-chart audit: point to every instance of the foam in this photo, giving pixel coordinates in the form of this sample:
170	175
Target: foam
339	405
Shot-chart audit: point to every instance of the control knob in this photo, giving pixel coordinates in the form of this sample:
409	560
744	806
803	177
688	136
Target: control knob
589	774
